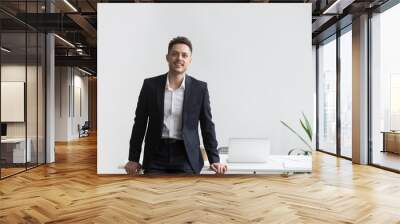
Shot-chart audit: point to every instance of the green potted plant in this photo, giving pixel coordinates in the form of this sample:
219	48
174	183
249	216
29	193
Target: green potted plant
305	124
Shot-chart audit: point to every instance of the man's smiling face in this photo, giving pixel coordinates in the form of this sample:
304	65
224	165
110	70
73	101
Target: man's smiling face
179	58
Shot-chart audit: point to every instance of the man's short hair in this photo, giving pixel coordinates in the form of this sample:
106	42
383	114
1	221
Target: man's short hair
180	40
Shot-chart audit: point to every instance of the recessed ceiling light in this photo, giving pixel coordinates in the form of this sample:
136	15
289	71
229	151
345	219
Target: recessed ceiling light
84	71
70	5
337	7
5	50
64	40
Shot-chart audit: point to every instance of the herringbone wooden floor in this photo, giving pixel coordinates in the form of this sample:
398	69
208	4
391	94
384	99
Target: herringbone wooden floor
70	191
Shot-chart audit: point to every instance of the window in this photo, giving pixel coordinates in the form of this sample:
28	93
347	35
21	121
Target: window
346	94
327	96
385	88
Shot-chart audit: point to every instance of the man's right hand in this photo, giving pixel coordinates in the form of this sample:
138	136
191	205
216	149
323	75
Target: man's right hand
132	168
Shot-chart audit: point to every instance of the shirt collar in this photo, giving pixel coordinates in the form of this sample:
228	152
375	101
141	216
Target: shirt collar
180	87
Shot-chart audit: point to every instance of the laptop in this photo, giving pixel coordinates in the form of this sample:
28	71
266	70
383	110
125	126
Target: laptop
248	150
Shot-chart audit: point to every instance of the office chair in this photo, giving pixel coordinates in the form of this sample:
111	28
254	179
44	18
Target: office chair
84	130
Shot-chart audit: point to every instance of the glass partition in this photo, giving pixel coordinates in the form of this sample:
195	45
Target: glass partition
22	77
32	95
14	153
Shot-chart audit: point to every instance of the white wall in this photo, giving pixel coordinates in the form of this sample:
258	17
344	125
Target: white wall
256	59
314	73
67	117
80	84
61	103
19	73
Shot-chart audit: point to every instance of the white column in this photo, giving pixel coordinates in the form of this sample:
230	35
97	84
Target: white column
50	92
50	110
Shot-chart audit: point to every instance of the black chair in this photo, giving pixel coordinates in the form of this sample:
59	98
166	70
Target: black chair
84	130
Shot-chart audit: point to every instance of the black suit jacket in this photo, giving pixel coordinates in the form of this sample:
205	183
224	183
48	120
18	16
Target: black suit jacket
150	114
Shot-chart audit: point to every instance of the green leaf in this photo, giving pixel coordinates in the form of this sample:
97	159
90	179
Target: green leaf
297	134
308	128
304	127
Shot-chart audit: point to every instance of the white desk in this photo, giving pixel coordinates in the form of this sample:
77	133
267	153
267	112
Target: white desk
18	149
276	164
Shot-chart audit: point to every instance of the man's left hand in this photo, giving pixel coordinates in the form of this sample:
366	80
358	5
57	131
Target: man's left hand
219	168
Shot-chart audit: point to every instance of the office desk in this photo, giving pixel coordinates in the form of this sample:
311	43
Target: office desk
391	141
276	164
13	150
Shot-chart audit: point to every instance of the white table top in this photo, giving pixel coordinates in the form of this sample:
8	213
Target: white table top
13	140
276	164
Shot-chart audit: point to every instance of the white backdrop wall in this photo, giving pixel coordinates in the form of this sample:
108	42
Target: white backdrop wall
256	59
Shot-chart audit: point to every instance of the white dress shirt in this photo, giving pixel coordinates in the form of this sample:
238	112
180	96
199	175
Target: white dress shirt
173	109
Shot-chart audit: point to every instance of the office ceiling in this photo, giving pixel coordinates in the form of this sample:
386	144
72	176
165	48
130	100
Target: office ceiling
76	21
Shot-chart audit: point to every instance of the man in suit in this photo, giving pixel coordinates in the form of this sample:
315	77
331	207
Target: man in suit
171	106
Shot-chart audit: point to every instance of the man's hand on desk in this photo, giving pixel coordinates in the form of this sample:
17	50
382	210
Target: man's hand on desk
219	168
132	168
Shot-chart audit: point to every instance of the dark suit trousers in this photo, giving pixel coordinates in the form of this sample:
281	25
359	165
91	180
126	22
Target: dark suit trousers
170	158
